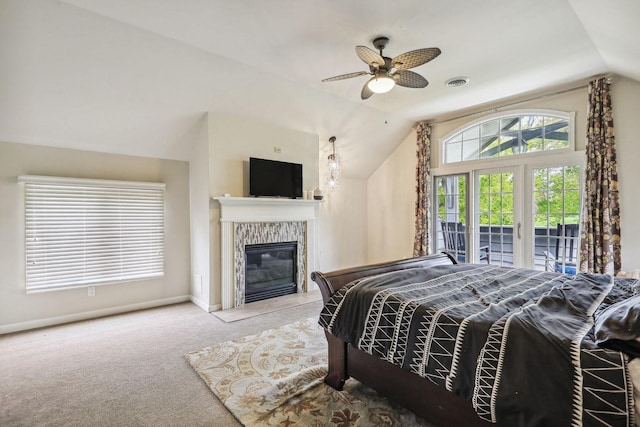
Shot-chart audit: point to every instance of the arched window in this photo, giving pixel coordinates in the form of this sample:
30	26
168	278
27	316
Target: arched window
506	188
507	135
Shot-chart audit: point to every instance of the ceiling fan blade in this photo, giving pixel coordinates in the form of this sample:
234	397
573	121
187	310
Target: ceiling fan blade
369	57
345	76
415	58
407	78
366	92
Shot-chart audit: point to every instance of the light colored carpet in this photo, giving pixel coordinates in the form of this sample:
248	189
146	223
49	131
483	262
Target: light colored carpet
123	370
275	378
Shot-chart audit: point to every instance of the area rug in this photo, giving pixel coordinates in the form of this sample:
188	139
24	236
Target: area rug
276	378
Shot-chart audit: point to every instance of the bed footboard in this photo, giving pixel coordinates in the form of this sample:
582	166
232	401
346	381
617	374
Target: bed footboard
330	282
417	394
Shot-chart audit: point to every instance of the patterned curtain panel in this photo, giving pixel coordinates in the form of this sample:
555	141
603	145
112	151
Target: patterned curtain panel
421	244
600	235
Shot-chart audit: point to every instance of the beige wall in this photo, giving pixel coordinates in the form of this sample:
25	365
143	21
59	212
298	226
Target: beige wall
343	226
390	228
232	140
365	221
391	198
625	95
220	147
21	311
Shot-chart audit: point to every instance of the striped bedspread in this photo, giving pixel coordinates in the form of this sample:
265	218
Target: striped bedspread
517	343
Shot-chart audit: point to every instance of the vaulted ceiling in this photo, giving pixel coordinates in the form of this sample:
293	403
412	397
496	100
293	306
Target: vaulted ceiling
135	76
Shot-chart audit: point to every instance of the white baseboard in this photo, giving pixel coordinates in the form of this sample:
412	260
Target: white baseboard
204	305
50	321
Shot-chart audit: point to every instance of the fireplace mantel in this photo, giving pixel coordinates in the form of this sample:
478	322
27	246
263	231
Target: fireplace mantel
237	210
263	209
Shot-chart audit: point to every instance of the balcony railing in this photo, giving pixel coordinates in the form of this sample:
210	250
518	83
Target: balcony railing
499	240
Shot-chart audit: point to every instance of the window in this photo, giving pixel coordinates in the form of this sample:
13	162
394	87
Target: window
88	232
508	135
514	206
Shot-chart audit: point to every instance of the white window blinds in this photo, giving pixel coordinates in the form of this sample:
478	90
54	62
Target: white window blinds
86	232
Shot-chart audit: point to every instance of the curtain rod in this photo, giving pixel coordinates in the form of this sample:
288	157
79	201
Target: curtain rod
496	109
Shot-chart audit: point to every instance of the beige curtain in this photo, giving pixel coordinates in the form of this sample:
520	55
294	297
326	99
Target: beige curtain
600	229
422	241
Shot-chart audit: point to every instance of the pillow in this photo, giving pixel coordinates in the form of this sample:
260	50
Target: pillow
618	326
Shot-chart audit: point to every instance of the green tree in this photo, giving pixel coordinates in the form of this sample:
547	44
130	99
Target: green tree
556	196
495	199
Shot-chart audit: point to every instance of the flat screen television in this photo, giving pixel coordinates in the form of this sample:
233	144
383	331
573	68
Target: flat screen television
274	178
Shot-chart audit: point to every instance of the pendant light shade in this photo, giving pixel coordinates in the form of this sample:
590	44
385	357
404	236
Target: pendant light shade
333	167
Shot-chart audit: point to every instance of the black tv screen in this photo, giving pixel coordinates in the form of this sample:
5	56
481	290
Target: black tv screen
274	178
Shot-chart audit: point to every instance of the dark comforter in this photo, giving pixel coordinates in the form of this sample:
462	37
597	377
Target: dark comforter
517	343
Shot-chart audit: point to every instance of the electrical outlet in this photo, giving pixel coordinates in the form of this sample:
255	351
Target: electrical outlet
277	150
91	291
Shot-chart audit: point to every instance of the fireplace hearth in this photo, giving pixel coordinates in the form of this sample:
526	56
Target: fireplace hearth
270	270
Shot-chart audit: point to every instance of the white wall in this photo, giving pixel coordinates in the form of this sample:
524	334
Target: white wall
390	228
199	209
21	311
569	101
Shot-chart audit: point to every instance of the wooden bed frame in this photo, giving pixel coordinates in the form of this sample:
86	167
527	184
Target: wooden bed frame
427	400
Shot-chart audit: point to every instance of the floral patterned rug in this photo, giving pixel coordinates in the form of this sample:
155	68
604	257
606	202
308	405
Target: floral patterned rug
276	378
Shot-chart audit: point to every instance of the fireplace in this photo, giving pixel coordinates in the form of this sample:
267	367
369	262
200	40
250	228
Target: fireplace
270	270
246	221
249	234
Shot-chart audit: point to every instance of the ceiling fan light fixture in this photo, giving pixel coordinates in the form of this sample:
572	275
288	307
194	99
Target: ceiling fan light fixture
381	83
388	72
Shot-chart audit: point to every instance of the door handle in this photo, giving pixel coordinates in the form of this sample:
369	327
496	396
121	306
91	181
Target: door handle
519	231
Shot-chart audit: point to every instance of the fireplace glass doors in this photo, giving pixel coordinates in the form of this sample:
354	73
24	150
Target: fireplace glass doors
270	270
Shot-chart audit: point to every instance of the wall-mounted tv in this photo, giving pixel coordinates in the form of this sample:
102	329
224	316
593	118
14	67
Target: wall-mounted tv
274	178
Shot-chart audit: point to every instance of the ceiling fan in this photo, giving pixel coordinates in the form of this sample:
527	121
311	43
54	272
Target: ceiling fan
388	72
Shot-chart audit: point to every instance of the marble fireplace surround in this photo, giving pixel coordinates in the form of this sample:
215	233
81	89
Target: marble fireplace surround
250	220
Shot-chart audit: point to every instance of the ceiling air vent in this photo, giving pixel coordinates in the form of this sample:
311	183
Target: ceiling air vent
457	81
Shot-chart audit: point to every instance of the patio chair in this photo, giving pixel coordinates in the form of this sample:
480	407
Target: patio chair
455	241
566	250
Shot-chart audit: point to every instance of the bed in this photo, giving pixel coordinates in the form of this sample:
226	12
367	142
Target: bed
481	345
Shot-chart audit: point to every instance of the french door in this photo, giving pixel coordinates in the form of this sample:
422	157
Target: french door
509	216
498	215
